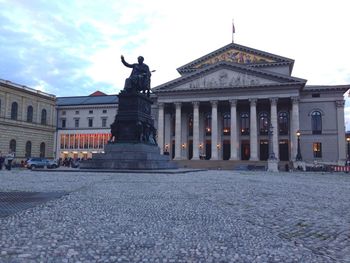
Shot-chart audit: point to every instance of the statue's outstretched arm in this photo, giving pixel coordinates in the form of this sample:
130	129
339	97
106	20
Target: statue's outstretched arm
126	64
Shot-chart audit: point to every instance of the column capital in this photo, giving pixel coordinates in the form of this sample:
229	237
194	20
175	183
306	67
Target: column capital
195	103
233	102
178	104
253	101
340	103
214	103
273	101
295	99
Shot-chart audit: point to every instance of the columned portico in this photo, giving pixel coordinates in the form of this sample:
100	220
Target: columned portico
214	130
195	130
274	124
294	126
177	131
233	130
161	127
253	131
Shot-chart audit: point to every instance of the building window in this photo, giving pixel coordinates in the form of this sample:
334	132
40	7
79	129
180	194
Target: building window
263	123
43	117
245	123
190	125
173	125
30	114
207	124
42	150
76	112
90	122
76	123
91	111
63	112
63	123
28	149
104	122
13	145
14	111
316	122
317	149
226	123
104	111
283	123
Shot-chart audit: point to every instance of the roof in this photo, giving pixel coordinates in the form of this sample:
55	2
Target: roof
98	93
232	53
26	89
343	88
87	100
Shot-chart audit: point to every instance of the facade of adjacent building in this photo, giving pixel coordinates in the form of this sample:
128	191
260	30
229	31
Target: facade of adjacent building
27	121
83	124
224	104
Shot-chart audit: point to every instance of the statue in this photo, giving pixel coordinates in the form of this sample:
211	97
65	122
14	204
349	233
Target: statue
140	77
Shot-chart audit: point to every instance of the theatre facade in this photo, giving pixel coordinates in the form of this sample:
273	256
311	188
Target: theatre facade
224	104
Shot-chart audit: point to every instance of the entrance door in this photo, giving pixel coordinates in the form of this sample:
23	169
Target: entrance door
226	150
245	150
264	150
207	149
190	149
284	150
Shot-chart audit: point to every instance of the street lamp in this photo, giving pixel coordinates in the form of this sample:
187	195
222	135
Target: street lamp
348	144
298	157
271	153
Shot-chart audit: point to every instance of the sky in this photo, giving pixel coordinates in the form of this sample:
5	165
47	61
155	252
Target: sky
73	47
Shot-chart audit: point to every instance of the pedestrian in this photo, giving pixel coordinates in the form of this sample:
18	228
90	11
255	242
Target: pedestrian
9	159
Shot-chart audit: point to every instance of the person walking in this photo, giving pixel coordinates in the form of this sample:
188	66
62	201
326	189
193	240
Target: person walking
9	159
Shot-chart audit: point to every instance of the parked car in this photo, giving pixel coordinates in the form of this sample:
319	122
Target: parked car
41	163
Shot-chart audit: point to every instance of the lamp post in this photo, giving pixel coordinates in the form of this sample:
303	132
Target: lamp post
298	157
271	153
348	151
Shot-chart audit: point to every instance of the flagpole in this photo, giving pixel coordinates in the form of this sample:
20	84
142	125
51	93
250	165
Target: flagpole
233	30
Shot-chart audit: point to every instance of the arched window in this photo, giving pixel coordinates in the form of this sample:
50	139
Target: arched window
14	111
207	124
13	145
28	149
226	125
316	122
263	123
30	114
190	125
283	123
43	117
42	150
245	123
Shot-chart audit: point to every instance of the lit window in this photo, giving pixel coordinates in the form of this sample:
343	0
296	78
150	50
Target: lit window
245	123
208	124
317	149
263	123
226	123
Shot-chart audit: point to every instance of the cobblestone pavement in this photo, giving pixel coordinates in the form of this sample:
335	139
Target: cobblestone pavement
211	216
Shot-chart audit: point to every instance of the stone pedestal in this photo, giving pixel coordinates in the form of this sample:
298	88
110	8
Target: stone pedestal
129	156
133	145
272	165
299	165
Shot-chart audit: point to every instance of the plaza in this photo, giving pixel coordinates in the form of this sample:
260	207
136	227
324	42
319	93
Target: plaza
207	216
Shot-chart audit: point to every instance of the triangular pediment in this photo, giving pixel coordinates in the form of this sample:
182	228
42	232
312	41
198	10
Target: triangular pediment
225	75
234	53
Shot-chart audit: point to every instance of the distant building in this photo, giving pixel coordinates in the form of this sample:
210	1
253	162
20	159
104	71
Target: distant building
83	124
27	121
221	107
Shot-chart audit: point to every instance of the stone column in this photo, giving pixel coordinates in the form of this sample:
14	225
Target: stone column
294	127
234	138
177	131
341	131
253	131
160	135
195	131
214	130
274	123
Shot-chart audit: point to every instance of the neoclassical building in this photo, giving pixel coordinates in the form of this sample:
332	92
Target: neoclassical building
27	121
222	105
83	124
